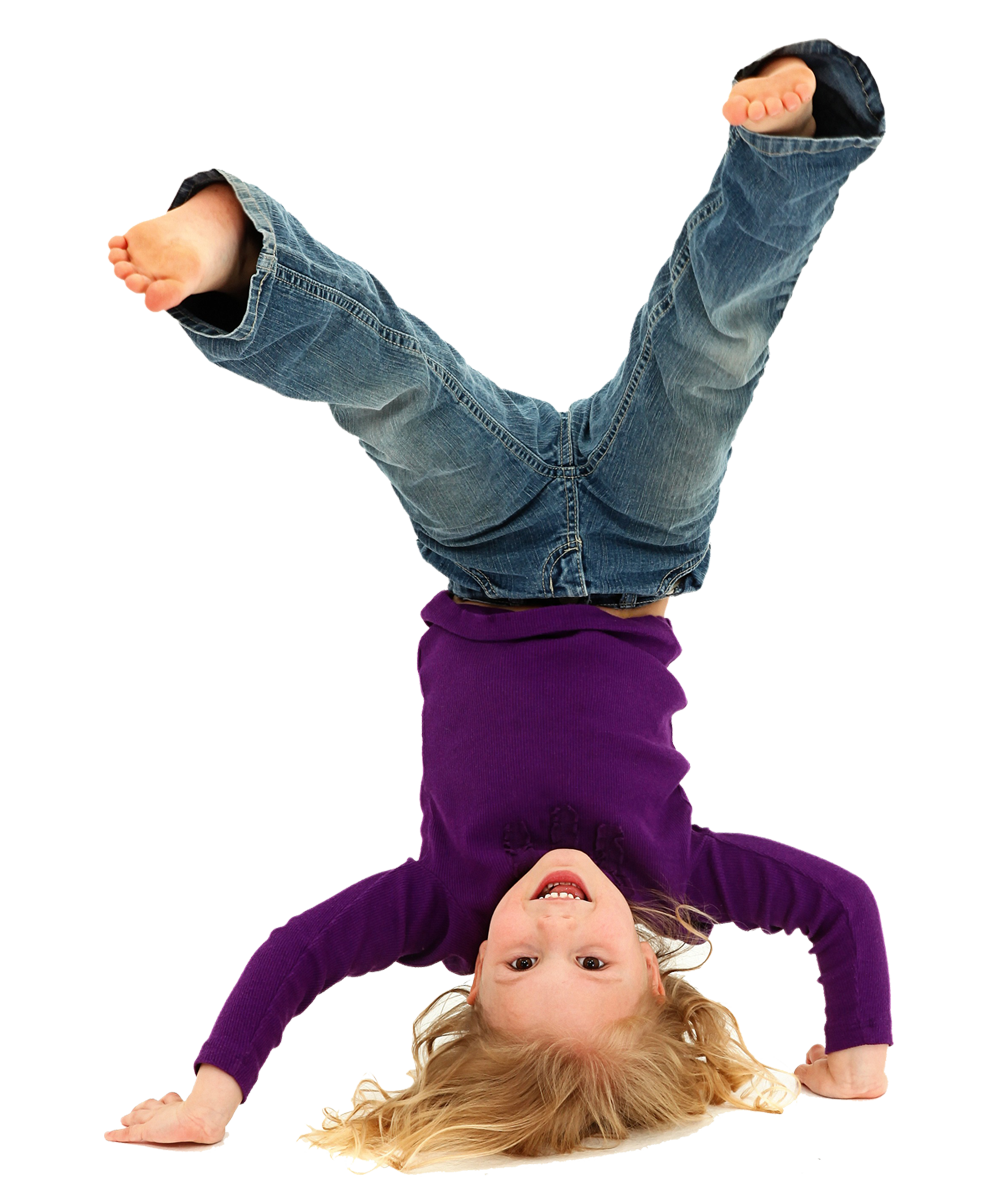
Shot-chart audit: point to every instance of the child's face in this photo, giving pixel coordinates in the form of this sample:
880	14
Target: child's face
556	992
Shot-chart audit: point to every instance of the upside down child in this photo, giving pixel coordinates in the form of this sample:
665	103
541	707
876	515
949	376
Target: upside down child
559	865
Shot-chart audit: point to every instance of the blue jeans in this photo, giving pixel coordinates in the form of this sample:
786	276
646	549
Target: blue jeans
511	500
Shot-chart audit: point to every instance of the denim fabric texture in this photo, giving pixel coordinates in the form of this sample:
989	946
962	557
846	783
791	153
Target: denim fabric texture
512	501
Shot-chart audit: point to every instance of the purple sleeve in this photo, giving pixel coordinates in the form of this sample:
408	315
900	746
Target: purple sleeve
396	915
760	884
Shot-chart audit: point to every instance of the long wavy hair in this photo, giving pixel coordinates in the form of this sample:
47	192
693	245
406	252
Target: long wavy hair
477	1091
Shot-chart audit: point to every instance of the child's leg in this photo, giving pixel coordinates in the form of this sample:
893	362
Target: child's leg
653	444
475	466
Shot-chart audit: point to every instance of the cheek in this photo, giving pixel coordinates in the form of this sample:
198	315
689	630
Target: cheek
503	921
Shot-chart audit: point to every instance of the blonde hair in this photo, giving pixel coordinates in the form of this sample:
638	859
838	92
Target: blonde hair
477	1091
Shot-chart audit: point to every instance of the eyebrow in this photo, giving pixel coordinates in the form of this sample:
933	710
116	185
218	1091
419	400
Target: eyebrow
514	978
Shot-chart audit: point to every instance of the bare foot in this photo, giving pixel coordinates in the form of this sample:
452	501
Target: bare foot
776	102
206	245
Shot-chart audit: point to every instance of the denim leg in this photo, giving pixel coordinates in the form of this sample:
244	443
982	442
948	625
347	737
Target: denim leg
652	446
467	459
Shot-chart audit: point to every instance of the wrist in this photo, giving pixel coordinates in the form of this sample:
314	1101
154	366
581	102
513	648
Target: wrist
860	1067
215	1092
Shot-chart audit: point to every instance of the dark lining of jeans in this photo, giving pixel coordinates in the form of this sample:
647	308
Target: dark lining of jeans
594	600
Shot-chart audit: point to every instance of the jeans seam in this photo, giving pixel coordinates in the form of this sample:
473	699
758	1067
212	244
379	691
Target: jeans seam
555	555
597	456
480	578
406	342
811	147
862	87
266	267
568	477
673	575
708	208
327	293
489	423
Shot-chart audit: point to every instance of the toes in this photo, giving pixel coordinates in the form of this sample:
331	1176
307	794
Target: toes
773	105
117	254
756	110
124	268
137	283
791	101
164	295
117	241
735	111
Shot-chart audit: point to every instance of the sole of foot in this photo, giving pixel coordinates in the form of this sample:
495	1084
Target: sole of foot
776	102
148	263
195	248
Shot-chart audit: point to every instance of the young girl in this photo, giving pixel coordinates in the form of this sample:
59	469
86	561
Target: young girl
558	860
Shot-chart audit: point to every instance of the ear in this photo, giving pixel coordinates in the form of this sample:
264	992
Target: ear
654	974
476	984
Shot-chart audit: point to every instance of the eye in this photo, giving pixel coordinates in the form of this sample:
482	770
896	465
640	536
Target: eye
586	963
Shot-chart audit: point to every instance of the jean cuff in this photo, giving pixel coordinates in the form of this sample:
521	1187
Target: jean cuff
848	110
218	315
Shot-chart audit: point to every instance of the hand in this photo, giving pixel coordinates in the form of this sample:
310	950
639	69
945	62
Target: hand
170	1120
847	1073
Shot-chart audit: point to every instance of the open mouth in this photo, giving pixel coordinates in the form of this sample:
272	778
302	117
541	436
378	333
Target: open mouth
561	885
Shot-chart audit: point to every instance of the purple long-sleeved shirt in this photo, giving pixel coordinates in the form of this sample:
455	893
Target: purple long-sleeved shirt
544	728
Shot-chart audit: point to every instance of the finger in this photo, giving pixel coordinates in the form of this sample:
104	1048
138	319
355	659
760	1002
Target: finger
125	1135
814	1052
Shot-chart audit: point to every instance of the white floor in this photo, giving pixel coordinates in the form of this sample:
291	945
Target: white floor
725	1144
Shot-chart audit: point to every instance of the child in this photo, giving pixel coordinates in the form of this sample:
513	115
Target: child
554	822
